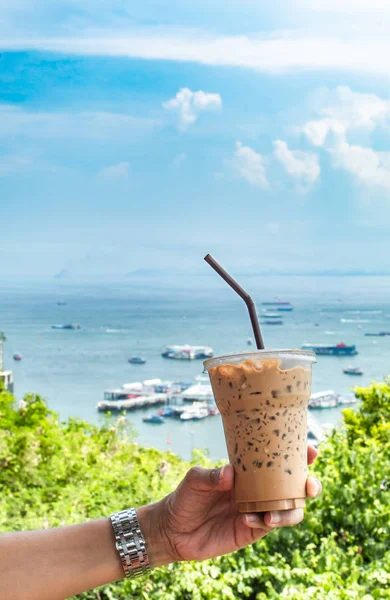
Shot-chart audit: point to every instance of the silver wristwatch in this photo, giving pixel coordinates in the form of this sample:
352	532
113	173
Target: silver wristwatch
130	543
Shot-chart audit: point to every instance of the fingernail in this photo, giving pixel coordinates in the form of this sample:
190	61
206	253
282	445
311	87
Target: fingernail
252	519
319	486
275	518
221	473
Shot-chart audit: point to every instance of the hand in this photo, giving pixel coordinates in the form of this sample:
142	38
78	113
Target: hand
200	519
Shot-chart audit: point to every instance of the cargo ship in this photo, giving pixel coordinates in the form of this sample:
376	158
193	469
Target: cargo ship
336	350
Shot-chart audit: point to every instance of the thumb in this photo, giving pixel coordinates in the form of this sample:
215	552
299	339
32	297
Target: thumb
208	480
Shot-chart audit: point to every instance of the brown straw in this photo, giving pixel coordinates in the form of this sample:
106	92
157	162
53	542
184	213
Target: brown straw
244	295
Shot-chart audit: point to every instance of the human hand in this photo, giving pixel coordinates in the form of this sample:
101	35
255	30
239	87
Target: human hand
200	519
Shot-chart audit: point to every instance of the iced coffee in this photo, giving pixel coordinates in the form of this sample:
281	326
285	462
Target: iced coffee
263	399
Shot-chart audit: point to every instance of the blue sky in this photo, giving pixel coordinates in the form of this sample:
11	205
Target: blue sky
144	137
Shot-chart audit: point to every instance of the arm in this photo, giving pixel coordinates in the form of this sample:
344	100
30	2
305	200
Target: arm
199	520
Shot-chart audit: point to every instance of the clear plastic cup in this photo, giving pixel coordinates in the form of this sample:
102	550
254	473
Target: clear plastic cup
263	398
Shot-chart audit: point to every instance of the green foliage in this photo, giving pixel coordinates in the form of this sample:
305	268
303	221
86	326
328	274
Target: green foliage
54	473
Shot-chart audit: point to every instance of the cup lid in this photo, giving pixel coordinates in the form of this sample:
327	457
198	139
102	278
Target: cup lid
302	355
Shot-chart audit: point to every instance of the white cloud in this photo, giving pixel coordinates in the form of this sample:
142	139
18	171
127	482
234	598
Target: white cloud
368	166
302	166
188	105
87	124
119	171
344	110
250	166
348	6
281	51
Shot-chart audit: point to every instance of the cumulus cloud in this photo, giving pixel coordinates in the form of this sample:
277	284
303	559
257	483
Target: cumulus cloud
368	166
250	165
343	110
118	171
301	166
187	105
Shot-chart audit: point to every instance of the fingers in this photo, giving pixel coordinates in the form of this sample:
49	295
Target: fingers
206	480
312	454
313	487
270	520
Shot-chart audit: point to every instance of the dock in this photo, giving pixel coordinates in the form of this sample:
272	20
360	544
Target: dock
129	404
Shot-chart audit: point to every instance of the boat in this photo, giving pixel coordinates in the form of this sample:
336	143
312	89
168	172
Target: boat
137	360
188	352
340	349
273	322
61	303
195	412
155	419
347	400
326	399
380	334
353	371
284	308
67	326
17	357
123	401
276	303
200	391
213	411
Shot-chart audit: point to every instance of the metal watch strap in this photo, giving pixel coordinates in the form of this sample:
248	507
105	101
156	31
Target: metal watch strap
130	543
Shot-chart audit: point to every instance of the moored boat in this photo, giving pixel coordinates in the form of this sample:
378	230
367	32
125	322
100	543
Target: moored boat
67	326
326	399
353	371
137	360
188	352
17	357
155	419
340	349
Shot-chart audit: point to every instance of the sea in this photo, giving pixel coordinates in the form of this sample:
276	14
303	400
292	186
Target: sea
71	369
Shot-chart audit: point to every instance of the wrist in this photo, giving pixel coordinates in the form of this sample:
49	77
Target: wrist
151	521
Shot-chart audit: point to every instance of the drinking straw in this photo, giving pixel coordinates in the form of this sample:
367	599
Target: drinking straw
244	295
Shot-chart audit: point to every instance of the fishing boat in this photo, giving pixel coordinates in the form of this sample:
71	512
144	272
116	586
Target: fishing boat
340	349
188	352
67	326
155	419
17	357
137	360
326	399
353	371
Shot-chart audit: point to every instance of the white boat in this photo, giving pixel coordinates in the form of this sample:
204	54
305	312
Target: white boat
195	412
326	399
200	391
188	352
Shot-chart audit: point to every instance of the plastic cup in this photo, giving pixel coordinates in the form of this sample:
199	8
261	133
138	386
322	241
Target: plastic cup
263	398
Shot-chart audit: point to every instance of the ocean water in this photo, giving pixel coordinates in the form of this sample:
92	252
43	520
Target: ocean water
71	369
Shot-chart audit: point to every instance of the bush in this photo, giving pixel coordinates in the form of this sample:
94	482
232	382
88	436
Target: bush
54	473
